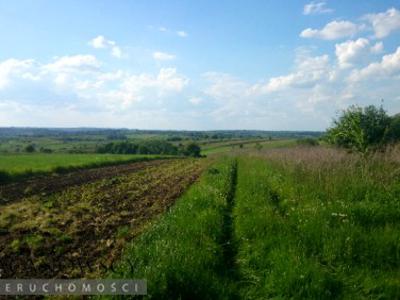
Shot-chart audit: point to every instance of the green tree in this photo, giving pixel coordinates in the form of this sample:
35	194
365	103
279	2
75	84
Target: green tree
360	129
192	149
393	134
30	148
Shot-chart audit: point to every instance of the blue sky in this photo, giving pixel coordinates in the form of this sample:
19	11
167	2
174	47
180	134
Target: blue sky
273	65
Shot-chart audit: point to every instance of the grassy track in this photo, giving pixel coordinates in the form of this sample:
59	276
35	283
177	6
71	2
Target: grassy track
16	166
186	254
312	225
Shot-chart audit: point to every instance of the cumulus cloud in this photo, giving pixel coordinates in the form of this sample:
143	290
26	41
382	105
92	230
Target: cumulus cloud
332	31
14	67
80	79
80	62
388	67
225	87
355	51
384	23
158	55
100	42
377	48
315	8
135	88
309	71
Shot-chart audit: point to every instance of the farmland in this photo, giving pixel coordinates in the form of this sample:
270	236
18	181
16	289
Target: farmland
257	218
80	230
14	167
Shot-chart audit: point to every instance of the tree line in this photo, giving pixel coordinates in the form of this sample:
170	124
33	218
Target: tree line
150	147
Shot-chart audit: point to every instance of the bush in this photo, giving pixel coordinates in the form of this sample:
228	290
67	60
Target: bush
30	148
45	150
360	129
393	134
193	150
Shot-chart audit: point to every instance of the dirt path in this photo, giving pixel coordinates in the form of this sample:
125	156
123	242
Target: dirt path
58	182
81	230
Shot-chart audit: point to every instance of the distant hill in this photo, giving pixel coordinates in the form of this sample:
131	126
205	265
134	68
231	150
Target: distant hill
8	132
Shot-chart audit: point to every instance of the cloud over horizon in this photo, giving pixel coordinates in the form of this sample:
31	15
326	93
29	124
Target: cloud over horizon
209	79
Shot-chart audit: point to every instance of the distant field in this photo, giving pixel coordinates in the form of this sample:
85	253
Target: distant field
20	165
228	146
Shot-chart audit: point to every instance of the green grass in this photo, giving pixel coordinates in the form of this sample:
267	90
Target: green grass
17	166
185	254
248	145
310	228
295	223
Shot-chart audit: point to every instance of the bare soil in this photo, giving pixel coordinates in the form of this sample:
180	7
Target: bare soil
81	231
58	182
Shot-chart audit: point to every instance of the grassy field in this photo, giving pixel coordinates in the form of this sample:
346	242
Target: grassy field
323	225
15	166
294	223
222	147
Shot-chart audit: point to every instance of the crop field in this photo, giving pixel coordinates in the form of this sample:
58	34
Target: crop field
14	166
80	230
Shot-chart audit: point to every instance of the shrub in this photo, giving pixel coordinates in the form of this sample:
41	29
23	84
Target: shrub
360	129
393	133
193	150
30	148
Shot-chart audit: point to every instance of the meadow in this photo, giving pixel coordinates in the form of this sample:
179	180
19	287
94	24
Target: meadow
294	223
259	144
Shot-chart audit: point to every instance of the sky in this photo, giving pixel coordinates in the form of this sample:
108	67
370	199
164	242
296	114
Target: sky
196	65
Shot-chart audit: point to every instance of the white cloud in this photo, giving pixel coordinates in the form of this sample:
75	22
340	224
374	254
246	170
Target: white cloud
388	67
116	52
14	67
100	42
225	87
377	48
135	88
355	51
308	72
182	33
158	55
332	31
384	23
80	62
314	8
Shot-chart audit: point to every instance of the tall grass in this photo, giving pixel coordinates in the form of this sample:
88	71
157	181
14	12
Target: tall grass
184	255
316	223
298	223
